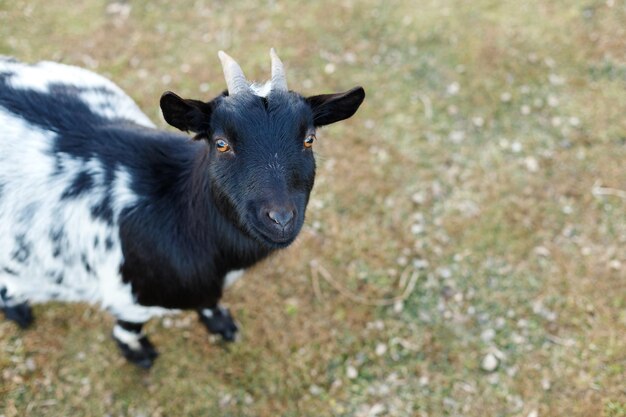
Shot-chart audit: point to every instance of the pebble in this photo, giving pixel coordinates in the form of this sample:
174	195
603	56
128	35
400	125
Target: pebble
381	349
487	335
553	101
532	165
417	229
418	198
351	372
30	364
457	136
490	363
315	390
453	89
420	263
376	410
478	121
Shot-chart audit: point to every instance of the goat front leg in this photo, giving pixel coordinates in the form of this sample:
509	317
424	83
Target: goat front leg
134	344
219	321
14	310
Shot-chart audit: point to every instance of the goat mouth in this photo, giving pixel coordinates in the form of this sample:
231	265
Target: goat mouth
273	239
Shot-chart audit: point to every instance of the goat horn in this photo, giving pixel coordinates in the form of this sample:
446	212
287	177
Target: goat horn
235	80
279	81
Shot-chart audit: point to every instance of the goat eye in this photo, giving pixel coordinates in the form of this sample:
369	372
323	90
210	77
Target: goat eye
308	142
221	145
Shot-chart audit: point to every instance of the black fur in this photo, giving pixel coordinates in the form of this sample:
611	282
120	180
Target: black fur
143	357
220	322
20	313
22	249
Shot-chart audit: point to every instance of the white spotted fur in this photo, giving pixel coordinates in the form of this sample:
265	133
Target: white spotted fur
41	76
31	203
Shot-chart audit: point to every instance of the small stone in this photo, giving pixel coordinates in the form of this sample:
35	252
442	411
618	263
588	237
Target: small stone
351	372
531	164
556	79
517	338
376	410
533	413
381	349
315	390
420	263
457	136
417	229
490	363
122	10
30	364
553	101
444	273
329	68
478	121
418	198
505	97
493	379
453	89
487	335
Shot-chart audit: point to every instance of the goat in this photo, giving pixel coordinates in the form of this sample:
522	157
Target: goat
99	206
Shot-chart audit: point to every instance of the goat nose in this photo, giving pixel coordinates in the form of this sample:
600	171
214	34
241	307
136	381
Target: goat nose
281	217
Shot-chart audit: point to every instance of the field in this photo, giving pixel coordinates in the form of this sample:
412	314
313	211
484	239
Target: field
464	252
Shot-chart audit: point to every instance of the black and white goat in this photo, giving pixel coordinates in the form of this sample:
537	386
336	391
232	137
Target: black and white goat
97	205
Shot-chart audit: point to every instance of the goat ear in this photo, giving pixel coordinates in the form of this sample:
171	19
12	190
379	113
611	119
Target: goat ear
185	114
331	108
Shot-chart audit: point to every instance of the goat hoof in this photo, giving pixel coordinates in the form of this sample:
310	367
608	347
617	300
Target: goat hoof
143	356
219	321
21	314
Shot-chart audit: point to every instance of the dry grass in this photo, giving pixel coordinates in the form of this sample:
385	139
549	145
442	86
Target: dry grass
472	163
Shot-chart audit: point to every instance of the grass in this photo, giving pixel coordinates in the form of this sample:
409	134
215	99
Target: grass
472	163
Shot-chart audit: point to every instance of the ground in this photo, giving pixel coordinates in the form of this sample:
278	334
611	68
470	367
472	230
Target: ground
465	247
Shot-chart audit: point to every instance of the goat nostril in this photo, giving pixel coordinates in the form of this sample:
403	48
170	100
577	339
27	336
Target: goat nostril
281	217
